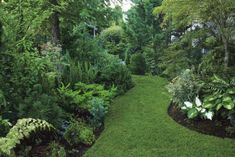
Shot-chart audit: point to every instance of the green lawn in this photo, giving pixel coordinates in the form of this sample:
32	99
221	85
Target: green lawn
138	126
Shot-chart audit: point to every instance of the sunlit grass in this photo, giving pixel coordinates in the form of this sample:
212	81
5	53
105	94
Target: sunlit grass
138	126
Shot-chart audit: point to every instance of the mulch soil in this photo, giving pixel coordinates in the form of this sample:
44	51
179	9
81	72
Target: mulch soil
42	150
208	127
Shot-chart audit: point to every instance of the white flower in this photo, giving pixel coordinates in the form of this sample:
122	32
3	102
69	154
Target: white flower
203	110
183	108
188	104
209	115
198	102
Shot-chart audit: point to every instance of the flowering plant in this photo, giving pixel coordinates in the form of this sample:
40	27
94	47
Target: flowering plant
197	109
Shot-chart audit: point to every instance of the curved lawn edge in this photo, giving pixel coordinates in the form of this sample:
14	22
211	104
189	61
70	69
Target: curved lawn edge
138	126
206	127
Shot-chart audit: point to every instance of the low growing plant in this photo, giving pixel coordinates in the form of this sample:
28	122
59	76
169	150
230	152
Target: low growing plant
221	94
98	108
24	129
77	100
79	133
196	109
57	150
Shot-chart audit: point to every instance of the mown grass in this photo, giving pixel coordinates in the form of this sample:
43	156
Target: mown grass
138	126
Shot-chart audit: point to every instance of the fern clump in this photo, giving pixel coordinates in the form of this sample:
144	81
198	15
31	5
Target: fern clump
24	129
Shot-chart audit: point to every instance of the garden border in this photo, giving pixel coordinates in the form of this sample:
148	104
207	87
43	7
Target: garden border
207	127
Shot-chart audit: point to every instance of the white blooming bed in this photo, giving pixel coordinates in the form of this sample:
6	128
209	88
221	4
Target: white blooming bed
205	122
197	109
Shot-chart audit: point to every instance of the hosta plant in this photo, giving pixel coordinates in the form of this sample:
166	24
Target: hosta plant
196	109
220	94
218	100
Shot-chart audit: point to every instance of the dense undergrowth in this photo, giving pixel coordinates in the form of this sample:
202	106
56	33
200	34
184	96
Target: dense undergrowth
62	62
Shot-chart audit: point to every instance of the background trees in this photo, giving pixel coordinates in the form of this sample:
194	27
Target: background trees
215	17
144	33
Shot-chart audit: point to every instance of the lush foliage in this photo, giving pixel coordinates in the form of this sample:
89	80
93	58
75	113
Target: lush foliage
78	133
63	61
77	100
138	64
57	150
144	34
115	73
222	94
197	109
114	39
184	88
25	129
53	67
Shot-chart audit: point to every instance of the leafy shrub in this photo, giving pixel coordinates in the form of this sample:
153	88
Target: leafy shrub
5	126
24	129
138	64
213	63
2	154
220	93
78	133
184	88
97	109
220	96
219	100
42	106
81	45
57	150
114	73
96	90
174	60
31	85
113	39
151	57
74	72
77	99
71	100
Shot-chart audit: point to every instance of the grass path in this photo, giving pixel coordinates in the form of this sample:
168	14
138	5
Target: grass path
138	126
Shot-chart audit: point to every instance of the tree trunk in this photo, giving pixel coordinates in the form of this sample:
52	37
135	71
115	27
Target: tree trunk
227	53
1	32
55	25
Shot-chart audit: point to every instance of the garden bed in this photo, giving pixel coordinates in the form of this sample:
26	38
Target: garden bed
43	149
208	127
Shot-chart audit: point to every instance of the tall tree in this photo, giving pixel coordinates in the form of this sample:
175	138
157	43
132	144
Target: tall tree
23	21
1	33
142	26
55	23
216	15
144	32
